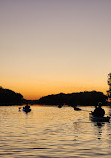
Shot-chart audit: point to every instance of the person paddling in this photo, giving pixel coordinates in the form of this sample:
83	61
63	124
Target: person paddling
76	108
99	111
27	107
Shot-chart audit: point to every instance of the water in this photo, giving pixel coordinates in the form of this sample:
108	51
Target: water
48	132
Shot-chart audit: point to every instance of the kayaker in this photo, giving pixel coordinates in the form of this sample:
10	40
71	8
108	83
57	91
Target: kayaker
27	107
99	111
76	108
19	108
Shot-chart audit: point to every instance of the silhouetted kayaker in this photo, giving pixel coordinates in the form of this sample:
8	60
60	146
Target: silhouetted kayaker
27	106
99	111
60	106
76	108
19	108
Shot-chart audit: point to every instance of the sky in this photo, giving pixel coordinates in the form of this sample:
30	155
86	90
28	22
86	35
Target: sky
53	46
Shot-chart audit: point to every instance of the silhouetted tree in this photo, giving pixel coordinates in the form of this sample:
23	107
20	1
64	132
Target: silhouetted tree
9	97
83	98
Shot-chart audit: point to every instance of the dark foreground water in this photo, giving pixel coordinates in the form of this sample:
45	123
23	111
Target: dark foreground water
52	132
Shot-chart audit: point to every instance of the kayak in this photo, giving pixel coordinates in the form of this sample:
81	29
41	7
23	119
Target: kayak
26	110
98	119
60	106
77	109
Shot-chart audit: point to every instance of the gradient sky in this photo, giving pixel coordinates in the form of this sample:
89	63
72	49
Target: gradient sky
53	46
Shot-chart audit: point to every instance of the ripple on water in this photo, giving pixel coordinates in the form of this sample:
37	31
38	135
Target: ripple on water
52	132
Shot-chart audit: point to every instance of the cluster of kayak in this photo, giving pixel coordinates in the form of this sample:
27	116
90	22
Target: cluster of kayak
96	116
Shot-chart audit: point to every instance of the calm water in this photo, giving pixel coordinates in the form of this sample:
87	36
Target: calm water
52	132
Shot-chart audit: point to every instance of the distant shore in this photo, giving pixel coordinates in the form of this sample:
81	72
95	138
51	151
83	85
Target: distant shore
86	98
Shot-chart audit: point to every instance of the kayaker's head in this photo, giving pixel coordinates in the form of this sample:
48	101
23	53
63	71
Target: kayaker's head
99	104
26	104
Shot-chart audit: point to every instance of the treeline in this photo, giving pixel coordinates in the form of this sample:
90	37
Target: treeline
9	97
87	98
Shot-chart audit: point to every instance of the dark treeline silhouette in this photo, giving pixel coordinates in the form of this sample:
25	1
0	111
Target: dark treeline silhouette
91	98
86	98
9	97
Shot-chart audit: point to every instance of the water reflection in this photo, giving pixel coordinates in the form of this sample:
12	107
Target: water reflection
51	132
99	126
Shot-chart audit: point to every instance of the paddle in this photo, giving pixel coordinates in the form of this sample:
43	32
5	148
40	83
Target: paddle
86	110
91	111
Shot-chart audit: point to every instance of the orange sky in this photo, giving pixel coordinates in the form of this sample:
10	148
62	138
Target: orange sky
48	47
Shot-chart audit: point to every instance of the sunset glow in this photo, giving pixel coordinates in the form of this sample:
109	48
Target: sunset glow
49	47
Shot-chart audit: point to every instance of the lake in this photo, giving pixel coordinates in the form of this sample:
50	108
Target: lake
52	132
